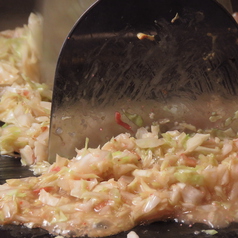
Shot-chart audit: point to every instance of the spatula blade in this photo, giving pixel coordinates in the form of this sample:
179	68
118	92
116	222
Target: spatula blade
182	72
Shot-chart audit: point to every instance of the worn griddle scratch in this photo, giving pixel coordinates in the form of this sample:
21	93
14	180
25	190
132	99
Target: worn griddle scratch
10	168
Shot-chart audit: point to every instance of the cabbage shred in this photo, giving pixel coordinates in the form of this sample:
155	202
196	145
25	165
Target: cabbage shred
130	180
25	102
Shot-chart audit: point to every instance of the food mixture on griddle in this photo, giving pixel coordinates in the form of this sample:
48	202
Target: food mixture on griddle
25	102
154	175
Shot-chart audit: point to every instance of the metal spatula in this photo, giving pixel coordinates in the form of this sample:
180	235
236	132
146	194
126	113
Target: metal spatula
131	63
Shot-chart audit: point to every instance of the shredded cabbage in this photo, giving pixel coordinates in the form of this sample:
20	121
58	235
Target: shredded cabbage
107	190
25	102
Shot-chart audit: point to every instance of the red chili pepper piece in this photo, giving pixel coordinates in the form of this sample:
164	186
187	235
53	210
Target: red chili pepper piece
56	169
120	122
47	189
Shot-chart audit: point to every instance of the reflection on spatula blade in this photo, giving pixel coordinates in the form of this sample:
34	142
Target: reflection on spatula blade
185	70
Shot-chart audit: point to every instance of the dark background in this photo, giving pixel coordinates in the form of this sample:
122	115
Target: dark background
234	5
15	12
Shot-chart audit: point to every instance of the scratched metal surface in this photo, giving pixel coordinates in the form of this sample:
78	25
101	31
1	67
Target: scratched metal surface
10	167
